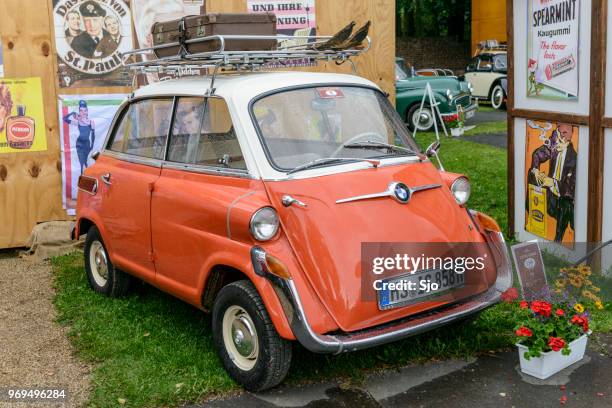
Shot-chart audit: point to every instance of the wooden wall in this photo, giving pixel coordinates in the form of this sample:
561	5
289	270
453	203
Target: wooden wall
488	21
30	183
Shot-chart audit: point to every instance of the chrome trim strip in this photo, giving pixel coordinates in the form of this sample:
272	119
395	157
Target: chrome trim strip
133	158
393	331
389	193
229	211
215	171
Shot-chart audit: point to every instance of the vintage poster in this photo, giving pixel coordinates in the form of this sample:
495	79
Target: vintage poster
293	17
146	13
551	161
90	37
22	116
84	123
552	49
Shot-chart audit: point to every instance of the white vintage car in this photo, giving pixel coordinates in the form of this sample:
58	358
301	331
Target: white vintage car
487	72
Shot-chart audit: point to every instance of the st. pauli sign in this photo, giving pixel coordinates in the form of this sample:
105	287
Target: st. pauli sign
90	36
552	48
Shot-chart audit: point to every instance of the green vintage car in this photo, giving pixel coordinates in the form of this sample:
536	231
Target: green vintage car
449	92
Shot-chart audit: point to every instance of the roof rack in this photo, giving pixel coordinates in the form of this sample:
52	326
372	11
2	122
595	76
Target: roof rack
290	48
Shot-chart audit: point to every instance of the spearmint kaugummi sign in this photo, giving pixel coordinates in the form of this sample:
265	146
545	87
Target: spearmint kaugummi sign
552	49
90	36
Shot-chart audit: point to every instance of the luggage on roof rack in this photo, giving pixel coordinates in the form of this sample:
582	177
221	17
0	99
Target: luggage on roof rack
186	51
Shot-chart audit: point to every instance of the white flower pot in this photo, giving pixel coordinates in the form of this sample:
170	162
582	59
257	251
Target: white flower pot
456	132
552	362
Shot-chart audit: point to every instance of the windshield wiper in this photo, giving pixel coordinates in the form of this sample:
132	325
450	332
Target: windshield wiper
328	160
376	145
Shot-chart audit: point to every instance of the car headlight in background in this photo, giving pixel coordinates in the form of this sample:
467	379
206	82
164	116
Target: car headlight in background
470	87
461	189
264	224
449	94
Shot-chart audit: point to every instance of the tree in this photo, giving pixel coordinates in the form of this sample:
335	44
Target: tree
433	18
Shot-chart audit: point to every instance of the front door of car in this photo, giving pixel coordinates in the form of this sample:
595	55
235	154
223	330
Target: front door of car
480	74
203	174
130	169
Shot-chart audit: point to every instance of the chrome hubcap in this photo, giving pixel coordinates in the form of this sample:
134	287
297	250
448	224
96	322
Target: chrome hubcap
98	263
498	97
423	119
240	338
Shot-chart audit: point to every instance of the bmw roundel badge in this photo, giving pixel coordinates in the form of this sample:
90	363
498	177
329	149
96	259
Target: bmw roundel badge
401	192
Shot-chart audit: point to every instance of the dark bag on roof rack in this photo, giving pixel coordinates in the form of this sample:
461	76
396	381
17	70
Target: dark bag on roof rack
194	27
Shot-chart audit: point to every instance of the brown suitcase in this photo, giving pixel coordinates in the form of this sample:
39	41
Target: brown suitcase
168	32
230	24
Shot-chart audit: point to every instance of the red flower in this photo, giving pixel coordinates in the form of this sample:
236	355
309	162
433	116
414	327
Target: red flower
560	312
556	343
581	321
541	308
510	295
523	332
524	304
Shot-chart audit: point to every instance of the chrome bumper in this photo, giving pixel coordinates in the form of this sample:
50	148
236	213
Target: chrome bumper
389	332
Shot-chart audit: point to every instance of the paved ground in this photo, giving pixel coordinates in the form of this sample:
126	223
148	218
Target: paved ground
34	350
492	381
487	116
492	139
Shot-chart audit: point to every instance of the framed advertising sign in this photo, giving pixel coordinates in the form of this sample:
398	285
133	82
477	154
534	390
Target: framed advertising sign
552	49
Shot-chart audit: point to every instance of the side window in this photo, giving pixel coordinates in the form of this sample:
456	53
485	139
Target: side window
485	63
203	134
144	129
472	65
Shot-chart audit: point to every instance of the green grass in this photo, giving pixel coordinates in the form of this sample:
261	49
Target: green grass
488	128
485	166
144	345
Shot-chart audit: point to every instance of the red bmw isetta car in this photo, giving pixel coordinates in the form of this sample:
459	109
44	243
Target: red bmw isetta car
253	202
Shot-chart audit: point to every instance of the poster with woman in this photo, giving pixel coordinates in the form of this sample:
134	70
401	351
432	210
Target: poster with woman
84	124
90	37
552	49
551	159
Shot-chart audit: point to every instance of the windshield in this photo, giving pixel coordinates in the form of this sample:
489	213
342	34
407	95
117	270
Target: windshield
400	71
300	126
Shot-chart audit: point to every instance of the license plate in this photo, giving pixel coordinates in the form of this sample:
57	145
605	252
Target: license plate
418	289
470	114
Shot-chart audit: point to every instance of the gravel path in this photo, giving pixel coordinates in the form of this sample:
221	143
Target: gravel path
34	350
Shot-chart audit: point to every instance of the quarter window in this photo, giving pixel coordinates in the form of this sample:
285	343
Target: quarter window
203	134
143	130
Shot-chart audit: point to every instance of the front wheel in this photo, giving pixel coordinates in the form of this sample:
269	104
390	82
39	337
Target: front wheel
421	119
497	96
250	349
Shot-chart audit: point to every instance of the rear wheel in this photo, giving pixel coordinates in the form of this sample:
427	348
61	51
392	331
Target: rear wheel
497	96
250	349
101	274
423	119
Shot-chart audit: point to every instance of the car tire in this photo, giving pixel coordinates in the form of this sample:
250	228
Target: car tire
251	350
103	277
497	96
412	117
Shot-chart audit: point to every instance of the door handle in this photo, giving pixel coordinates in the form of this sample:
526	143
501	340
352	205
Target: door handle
106	178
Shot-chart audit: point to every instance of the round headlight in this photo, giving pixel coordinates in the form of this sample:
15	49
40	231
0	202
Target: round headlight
449	94
264	224
461	189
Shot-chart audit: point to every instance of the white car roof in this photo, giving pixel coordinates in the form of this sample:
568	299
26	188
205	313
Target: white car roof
252	83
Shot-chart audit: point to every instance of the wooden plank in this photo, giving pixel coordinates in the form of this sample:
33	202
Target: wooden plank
599	17
510	107
550	116
30	183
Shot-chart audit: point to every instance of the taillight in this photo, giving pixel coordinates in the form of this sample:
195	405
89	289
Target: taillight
88	184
